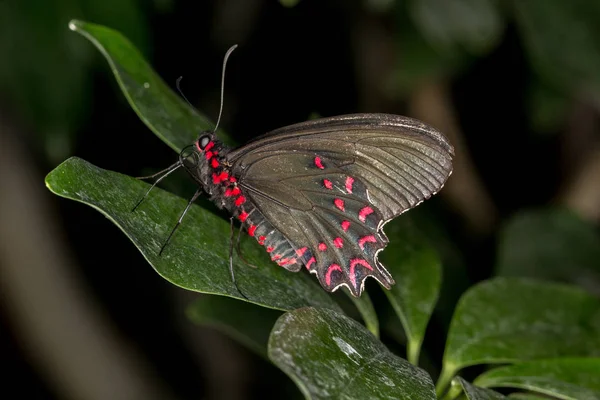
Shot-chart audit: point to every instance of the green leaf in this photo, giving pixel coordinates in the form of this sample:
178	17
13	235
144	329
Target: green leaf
526	396
329	355
450	26
197	258
568	57
550	243
566	378
416	267
248	324
173	120
367	311
473	392
507	320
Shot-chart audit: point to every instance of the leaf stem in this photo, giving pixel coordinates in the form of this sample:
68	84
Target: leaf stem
448	372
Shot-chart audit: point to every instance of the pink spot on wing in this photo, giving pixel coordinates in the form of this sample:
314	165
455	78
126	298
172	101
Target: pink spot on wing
214	162
242	217
276	257
327	183
318	163
338	242
240	200
322	246
300	252
261	240
310	262
232	179
366	239
251	230
209	146
229	192
208	155
362	214
339	203
198	146
349	182
270	249
345	225
353	264
332	267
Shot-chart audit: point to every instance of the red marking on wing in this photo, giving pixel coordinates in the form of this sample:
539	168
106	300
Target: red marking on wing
328	184
251	230
322	246
318	163
345	225
209	146
353	264
232	179
276	257
270	249
339	203
261	240
338	242
242	217
332	267
349	182
240	200
362	214
214	162
310	262
198	147
220	178
365	239
300	252
208	155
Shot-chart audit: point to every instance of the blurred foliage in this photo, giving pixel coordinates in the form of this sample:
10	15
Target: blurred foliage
47	80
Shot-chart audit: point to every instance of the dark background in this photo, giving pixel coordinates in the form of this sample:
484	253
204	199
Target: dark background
515	85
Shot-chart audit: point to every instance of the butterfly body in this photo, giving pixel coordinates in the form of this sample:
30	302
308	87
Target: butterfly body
317	194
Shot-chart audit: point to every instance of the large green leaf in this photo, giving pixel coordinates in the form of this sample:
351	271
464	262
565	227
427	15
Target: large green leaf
507	320
330	356
197	257
570	378
550	243
416	267
248	324
164	112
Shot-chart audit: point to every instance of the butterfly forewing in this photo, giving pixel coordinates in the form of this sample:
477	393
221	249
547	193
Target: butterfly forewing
328	186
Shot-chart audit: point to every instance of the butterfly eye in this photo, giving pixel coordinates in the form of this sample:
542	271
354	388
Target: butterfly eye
203	141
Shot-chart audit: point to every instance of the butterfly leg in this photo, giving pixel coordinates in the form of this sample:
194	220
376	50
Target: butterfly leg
194	197
239	250
231	271
165	172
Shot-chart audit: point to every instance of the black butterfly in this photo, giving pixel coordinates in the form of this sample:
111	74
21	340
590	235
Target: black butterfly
318	193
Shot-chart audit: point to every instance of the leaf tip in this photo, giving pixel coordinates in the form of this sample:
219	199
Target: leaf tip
75	25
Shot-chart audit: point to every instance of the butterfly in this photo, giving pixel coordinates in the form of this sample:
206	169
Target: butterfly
317	194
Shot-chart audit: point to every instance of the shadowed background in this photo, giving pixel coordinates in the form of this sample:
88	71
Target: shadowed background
515	86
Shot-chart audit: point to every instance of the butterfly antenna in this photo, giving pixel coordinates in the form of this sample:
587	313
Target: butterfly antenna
165	172
194	197
231	49
181	91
